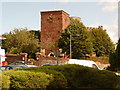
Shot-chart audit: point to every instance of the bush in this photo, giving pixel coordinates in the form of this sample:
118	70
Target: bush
27	79
118	85
115	58
80	76
4	82
59	80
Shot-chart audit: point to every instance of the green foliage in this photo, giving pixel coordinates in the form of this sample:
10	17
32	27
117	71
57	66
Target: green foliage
36	33
117	54
81	44
60	76
79	76
85	42
20	41
115	58
26	79
118	85
112	60
58	81
5	81
102	44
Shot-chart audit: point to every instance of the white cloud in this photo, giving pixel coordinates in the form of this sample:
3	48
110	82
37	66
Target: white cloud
108	5
112	29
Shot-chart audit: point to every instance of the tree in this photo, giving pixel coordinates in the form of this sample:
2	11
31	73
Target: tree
81	44
20	41
36	33
117	54
114	58
102	43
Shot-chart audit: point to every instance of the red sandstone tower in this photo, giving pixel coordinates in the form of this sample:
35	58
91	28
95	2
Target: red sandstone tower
52	24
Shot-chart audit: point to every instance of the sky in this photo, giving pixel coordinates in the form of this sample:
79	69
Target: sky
23	14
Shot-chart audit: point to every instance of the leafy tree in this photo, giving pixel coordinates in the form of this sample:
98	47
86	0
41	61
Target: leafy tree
102	43
115	58
112	60
80	38
36	33
117	54
20	41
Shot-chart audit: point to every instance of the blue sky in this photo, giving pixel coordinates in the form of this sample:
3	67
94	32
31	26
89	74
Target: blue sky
27	14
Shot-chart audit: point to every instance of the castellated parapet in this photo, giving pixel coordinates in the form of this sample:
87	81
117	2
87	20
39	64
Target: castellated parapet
90	28
76	18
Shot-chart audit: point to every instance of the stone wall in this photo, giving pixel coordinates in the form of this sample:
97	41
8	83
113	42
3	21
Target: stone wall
50	60
10	58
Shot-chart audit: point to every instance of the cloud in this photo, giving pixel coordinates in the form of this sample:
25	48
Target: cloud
112	29
87	1
108	5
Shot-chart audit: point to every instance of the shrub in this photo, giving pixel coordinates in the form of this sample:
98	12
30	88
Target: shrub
118	85
80	76
115	58
27	79
4	82
59	80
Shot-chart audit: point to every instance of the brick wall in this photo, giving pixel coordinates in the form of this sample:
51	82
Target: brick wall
52	24
49	60
10	58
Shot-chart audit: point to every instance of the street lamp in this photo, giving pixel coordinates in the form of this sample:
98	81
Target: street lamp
77	35
70	46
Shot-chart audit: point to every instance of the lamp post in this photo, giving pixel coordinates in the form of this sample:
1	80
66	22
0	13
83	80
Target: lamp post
57	57
70	46
77	35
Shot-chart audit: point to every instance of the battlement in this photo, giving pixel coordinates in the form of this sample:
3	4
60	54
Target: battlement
90	28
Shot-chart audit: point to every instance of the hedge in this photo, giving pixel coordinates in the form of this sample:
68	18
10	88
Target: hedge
4	81
59	80
26	79
79	76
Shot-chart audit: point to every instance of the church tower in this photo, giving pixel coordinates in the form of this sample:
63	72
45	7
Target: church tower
52	25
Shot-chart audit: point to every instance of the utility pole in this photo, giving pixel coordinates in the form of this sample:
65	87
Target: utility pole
70	47
57	57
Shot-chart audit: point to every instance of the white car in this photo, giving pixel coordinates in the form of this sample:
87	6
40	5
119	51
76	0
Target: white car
87	63
118	74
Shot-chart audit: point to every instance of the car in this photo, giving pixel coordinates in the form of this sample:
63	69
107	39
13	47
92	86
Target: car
87	63
18	63
47	64
8	67
22	63
118	74
31	66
